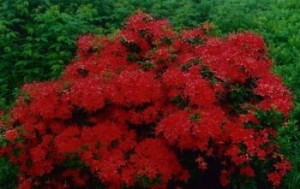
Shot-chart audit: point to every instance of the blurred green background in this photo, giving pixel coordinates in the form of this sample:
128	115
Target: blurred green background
37	40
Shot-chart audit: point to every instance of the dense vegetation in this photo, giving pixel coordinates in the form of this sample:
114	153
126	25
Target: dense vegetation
153	107
37	39
278	22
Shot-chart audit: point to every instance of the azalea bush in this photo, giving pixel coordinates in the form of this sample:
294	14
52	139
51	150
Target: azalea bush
277	21
153	108
37	37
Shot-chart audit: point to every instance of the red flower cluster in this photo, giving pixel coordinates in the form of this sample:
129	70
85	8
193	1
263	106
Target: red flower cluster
129	106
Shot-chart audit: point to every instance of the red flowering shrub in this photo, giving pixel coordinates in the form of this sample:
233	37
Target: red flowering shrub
150	107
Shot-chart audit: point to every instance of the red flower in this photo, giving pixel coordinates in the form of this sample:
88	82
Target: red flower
25	184
247	171
152	158
274	178
224	180
133	88
199	92
87	93
84	44
11	135
177	128
202	165
68	141
37	154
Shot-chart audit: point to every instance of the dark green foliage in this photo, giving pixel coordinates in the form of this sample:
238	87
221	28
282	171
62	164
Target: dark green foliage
240	94
270	118
146	182
8	174
180	102
37	38
289	139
